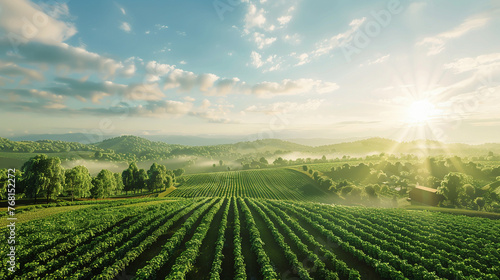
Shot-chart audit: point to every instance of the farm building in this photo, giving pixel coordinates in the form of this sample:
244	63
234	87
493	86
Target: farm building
425	195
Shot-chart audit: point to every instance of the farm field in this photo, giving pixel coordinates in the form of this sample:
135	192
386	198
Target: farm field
245	238
277	183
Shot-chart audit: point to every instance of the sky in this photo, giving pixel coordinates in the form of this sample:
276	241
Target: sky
272	69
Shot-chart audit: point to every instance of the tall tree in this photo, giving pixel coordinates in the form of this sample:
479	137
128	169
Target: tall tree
452	186
103	184
119	182
43	176
128	177
156	176
141	180
178	172
78	181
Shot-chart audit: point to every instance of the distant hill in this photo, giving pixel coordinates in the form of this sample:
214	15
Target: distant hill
193	140
84	138
315	142
417	147
129	148
130	144
43	146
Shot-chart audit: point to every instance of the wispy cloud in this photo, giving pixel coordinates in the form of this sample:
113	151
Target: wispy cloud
377	60
436	44
125	26
485	63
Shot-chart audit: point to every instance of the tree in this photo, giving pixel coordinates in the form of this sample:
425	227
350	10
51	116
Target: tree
221	162
78	181
43	176
279	161
156	176
480	202
470	191
128	177
178	172
304	167
119	182
370	191
103	184
142	179
263	161
4	182
170	182
452	186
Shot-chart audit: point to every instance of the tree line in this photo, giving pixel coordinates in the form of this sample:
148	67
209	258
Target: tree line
44	177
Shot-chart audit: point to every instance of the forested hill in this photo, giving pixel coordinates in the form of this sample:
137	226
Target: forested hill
417	147
43	146
126	148
135	145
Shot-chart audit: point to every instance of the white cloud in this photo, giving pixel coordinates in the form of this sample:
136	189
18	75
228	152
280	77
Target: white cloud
293	39
13	24
186	81
256	59
339	40
436	44
284	19
227	86
162	108
377	60
95	91
181	33
254	17
182	62
143	92
63	57
123	11
257	62
155	70
484	63
292	87
125	26
261	40
161	26
147	31
13	70
303	59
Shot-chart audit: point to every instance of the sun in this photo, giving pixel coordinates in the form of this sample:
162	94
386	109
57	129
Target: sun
420	112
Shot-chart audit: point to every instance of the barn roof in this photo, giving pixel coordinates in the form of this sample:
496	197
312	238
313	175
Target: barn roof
427	189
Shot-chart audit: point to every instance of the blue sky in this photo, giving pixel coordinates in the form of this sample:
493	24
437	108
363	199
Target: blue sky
294	69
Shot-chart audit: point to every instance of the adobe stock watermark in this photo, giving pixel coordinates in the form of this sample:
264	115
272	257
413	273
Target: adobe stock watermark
223	6
31	26
371	29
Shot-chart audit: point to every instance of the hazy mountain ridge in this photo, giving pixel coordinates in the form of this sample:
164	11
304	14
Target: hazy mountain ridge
142	148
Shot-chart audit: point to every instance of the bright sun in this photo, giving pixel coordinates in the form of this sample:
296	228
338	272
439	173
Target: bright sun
420	112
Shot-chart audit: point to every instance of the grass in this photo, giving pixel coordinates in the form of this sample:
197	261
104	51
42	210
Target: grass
41	213
166	192
471	213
